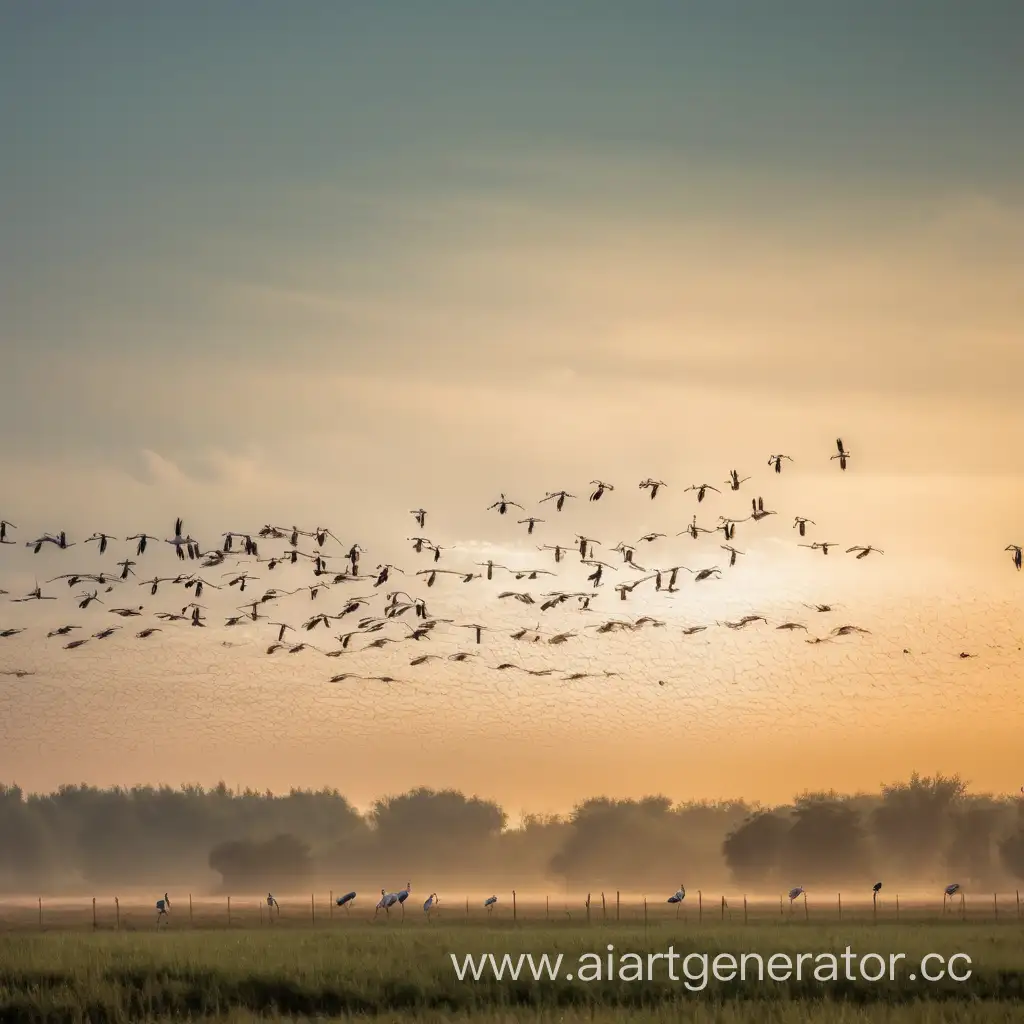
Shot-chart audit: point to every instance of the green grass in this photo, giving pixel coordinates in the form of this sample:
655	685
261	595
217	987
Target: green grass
400	973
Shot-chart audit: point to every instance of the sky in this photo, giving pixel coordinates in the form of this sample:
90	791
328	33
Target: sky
326	263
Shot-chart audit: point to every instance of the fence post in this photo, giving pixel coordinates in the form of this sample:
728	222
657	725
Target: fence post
117	914
190	910
700	907
547	908
604	909
645	919
782	912
840	906
513	904
588	908
807	915
874	907
995	906
312	908
40	913
617	894
1018	902
94	913
744	908
229	911
897	906
467	906
723	908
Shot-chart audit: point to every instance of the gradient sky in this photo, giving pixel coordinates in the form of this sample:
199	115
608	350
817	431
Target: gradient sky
323	263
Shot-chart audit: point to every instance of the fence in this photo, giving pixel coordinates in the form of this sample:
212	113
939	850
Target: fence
111	913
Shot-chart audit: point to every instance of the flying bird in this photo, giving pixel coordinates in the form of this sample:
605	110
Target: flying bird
653	486
863	552
701	490
732	553
800	523
775	461
735	480
503	504
558	497
824	545
842	454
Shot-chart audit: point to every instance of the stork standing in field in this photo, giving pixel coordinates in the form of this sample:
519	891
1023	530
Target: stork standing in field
490	902
429	903
386	902
162	908
948	893
403	895
272	905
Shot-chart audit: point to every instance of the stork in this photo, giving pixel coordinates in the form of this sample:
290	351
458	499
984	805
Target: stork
162	908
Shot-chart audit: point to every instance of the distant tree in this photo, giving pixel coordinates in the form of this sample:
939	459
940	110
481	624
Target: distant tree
753	852
279	862
624	843
1011	849
442	831
27	851
826	841
973	842
913	820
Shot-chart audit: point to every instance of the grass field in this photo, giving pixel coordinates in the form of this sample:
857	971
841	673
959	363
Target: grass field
353	967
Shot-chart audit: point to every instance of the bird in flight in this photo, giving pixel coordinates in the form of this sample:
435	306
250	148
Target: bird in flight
732	553
800	523
842	454
599	488
775	461
1015	553
824	545
735	480
693	529
558	497
863	552
653	486
503	505
701	490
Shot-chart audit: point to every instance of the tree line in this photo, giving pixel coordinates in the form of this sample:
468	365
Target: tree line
83	839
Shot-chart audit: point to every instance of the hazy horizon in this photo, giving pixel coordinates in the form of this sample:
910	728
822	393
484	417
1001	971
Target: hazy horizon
328	268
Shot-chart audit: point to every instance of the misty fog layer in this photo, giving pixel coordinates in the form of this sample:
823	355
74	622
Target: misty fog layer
81	839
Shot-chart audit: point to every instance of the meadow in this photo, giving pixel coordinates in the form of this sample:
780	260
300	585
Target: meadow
353	966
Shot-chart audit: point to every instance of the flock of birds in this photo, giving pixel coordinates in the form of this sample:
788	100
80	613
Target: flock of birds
334	564
388	900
